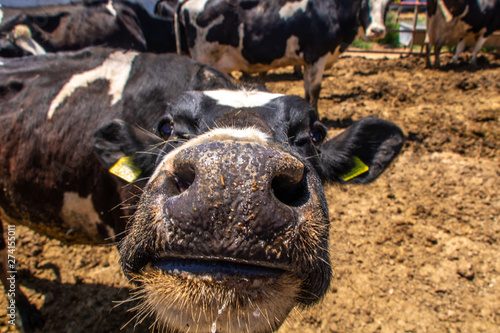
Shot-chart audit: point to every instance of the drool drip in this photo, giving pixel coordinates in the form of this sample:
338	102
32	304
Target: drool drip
219	312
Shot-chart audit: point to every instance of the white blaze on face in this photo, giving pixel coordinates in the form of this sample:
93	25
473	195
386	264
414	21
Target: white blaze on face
376	29
80	215
110	8
290	8
116	69
241	98
1	13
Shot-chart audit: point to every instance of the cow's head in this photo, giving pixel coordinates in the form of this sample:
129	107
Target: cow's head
373	13
231	231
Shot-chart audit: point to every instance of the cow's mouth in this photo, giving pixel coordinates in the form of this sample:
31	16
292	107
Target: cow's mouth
215	269
204	292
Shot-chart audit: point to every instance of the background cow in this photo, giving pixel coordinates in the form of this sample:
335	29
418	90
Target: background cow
460	22
234	179
255	36
373	25
119	24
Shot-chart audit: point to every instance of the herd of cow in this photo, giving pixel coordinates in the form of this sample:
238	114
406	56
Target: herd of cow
224	184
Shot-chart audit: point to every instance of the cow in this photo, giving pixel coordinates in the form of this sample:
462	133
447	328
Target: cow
373	25
257	35
230	231
112	23
460	22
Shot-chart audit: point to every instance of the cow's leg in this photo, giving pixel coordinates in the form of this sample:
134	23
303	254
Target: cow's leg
313	74
262	77
459	50
428	47
19	309
437	51
297	71
479	45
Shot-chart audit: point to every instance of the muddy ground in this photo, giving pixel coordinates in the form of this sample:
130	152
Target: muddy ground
416	251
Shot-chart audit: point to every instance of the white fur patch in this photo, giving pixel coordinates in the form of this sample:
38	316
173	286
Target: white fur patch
111	9
116	69
1	13
241	98
204	51
79	214
250	134
196	6
290	8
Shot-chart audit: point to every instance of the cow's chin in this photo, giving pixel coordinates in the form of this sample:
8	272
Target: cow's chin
183	301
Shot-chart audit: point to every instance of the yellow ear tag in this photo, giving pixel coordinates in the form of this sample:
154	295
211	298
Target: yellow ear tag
125	169
358	169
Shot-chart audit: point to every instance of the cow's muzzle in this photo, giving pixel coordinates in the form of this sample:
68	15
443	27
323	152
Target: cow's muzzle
374	32
230	221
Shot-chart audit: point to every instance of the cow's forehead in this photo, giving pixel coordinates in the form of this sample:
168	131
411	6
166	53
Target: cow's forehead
241	98
272	113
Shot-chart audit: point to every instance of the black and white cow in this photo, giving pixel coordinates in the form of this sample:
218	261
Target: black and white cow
373	25
460	22
112	23
231	230
257	35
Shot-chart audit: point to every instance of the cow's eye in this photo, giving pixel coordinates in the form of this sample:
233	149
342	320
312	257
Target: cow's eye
317	134
166	128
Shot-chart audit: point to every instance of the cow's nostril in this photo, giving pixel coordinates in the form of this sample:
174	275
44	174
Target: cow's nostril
378	31
185	177
290	189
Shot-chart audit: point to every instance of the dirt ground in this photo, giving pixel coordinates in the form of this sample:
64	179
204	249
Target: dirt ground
416	251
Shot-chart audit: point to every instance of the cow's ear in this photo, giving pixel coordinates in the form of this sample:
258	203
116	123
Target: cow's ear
127	151
361	153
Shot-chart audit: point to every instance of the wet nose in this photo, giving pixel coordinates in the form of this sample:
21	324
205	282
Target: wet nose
237	184
377	32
